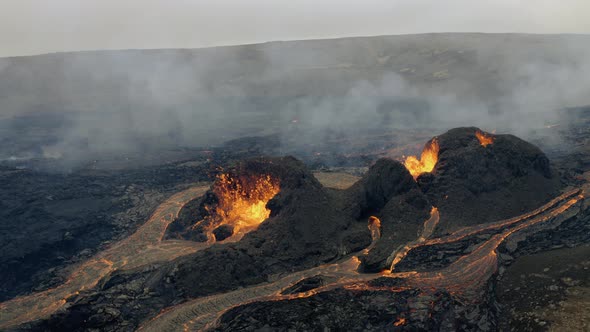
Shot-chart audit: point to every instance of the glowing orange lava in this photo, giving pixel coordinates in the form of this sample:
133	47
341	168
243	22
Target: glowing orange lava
463	278
427	230
427	161
143	247
400	322
375	227
485	139
242	200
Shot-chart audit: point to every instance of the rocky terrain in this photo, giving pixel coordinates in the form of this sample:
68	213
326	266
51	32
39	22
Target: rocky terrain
50	221
98	217
504	178
302	250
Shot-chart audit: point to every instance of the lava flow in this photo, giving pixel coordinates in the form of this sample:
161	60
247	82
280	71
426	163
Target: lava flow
374	225
428	159
468	275
427	230
242	201
143	247
485	139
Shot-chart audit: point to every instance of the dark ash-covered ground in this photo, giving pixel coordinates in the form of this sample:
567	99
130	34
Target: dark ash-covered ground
521	297
50	221
388	191
65	197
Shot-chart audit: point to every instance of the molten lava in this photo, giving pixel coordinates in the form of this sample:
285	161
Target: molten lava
485	139
427	161
400	322
464	278
242	200
374	225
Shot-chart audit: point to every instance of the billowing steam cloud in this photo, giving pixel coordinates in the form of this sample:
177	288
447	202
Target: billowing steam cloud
132	102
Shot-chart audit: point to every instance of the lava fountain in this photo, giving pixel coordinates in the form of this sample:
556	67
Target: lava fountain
428	159
242	200
485	139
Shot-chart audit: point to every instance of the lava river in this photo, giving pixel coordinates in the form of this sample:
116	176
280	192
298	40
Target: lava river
242	204
145	246
464	278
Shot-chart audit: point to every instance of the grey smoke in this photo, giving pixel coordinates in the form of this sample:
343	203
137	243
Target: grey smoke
140	102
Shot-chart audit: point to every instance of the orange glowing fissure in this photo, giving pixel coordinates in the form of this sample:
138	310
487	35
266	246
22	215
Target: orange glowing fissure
242	200
485	139
427	161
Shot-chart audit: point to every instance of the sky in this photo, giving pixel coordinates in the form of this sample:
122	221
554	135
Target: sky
42	26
